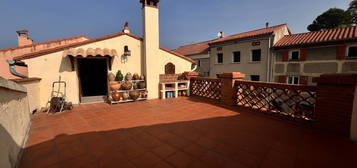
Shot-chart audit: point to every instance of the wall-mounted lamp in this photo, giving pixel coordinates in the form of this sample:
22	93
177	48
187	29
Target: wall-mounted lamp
127	52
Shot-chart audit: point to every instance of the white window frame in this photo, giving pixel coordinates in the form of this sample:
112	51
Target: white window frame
217	58
239	56
348	51
291	55
293	80
251	55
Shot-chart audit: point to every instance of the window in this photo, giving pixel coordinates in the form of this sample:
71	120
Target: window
219	59
292	80
352	52
236	57
198	62
254	77
170	68
256	55
294	55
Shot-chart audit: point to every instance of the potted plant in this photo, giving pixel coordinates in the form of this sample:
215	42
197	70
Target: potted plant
119	76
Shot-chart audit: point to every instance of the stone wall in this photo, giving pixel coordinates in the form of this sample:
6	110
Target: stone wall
14	122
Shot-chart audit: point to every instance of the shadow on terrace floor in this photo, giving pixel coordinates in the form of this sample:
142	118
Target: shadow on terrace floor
183	132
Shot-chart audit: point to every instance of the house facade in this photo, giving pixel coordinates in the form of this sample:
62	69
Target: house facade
199	52
26	46
301	57
249	53
87	63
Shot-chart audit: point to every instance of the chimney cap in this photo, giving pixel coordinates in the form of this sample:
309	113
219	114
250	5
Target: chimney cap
126	28
154	3
266	24
22	32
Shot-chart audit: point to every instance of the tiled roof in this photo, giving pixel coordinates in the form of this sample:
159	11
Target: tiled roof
41	43
193	49
318	37
201	47
25	79
60	48
249	34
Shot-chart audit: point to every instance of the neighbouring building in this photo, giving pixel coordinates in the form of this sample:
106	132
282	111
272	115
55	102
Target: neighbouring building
300	57
249	53
25	46
86	64
199	52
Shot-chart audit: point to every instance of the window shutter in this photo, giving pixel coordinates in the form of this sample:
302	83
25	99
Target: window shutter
282	79
303	80
303	54
341	52
285	55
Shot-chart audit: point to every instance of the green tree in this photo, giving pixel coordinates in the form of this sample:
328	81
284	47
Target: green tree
332	18
353	11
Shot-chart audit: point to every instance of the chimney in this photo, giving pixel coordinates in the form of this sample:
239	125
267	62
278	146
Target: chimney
23	38
126	28
266	24
150	12
220	34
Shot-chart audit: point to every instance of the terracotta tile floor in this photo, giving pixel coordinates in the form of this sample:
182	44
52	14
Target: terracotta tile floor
178	133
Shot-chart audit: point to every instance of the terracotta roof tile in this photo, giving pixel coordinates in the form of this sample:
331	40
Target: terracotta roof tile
318	37
25	79
193	49
202	47
41	43
59	48
178	54
253	33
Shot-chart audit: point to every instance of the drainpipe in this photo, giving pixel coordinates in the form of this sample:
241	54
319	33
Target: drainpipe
12	68
269	60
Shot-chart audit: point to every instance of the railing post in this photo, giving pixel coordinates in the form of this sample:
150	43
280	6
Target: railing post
190	75
336	104
227	88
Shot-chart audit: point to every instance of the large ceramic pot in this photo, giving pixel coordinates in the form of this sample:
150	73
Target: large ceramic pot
142	85
144	94
136	76
126	85
116	96
128	76
111	77
125	96
134	95
114	85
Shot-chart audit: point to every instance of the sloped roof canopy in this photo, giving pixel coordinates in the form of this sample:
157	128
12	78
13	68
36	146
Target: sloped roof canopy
90	53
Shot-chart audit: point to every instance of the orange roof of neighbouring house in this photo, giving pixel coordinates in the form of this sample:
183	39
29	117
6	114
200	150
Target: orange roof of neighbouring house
318	37
249	34
193	49
201	47
60	48
46	42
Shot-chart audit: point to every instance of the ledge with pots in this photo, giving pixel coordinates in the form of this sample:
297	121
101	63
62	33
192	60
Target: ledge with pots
132	88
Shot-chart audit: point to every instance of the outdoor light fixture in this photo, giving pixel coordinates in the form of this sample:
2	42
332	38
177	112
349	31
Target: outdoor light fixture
127	52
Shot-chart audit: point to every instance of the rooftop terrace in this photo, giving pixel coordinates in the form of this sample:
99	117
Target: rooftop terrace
184	132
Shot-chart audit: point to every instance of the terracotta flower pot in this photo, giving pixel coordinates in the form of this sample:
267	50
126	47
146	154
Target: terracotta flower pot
111	77
114	85
136	76
116	96
134	95
126	85
125	96
128	76
142	85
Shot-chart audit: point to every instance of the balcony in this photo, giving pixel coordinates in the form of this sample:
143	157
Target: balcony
183	132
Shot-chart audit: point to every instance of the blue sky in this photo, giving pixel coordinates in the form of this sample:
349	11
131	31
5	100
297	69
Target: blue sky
181	21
